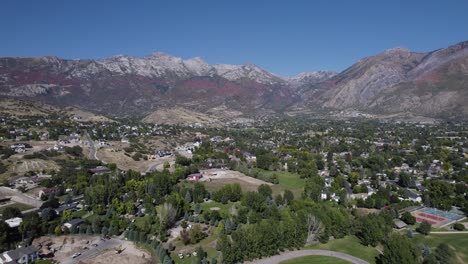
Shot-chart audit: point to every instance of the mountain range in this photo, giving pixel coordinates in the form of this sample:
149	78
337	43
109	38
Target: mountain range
396	81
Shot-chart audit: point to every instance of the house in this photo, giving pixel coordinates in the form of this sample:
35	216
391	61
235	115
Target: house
20	256
327	194
194	177
62	208
362	196
73	223
14	222
99	170
398	224
49	191
412	196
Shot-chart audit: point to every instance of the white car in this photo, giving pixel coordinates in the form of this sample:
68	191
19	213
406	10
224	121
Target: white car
76	255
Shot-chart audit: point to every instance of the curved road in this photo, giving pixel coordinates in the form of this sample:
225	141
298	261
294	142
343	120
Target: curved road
310	252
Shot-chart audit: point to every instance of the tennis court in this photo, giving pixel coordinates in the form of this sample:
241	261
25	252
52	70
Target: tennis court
437	218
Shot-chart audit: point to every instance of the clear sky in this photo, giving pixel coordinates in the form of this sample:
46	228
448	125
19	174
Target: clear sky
284	37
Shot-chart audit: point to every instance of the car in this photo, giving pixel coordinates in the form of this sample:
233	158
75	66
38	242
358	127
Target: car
194	253
95	244
76	255
187	255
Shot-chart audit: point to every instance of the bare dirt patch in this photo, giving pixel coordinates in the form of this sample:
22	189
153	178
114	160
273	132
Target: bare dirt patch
116	155
131	254
64	246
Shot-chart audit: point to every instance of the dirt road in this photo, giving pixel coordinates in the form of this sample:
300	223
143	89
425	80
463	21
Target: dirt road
311	252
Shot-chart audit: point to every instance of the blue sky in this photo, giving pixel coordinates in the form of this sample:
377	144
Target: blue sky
284	37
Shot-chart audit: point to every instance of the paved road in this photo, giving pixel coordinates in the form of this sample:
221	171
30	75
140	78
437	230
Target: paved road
448	232
311	252
159	163
94	251
20	197
92	148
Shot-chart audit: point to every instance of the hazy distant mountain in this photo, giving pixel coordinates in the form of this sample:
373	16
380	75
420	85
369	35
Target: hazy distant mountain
394	81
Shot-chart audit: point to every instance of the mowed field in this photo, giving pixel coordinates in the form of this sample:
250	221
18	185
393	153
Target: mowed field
289	181
458	242
349	245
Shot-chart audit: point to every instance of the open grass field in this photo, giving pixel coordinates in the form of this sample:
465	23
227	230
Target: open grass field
290	181
315	259
349	245
223	208
20	206
458	242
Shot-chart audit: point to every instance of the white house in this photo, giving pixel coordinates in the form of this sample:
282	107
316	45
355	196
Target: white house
14	222
20	256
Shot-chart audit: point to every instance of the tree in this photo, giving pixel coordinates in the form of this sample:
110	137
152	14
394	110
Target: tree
11	212
67	215
424	228
188	197
196	234
399	249
314	229
167	215
408	218
405	180
264	190
48	214
312	190
459	226
288	197
372	229
444	254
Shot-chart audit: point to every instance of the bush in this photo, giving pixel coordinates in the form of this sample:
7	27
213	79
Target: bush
408	218
459	226
424	228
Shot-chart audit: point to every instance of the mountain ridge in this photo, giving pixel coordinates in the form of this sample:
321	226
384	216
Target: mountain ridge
396	80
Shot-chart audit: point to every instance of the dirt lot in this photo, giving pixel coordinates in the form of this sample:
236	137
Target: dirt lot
117	156
218	177
131	255
66	246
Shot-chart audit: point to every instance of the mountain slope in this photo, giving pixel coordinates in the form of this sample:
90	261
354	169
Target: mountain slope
398	80
130	85
432	84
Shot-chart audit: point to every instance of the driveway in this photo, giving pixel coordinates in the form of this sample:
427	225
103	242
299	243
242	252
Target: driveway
304	253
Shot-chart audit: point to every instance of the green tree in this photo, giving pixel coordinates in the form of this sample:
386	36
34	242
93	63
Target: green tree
399	249
424	228
408	218
264	190
67	215
444	254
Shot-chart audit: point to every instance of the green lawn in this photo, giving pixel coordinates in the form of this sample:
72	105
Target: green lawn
316	259
20	206
458	242
349	245
223	208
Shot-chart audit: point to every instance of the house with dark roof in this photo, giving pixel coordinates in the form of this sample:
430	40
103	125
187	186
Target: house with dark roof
73	223
19	256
